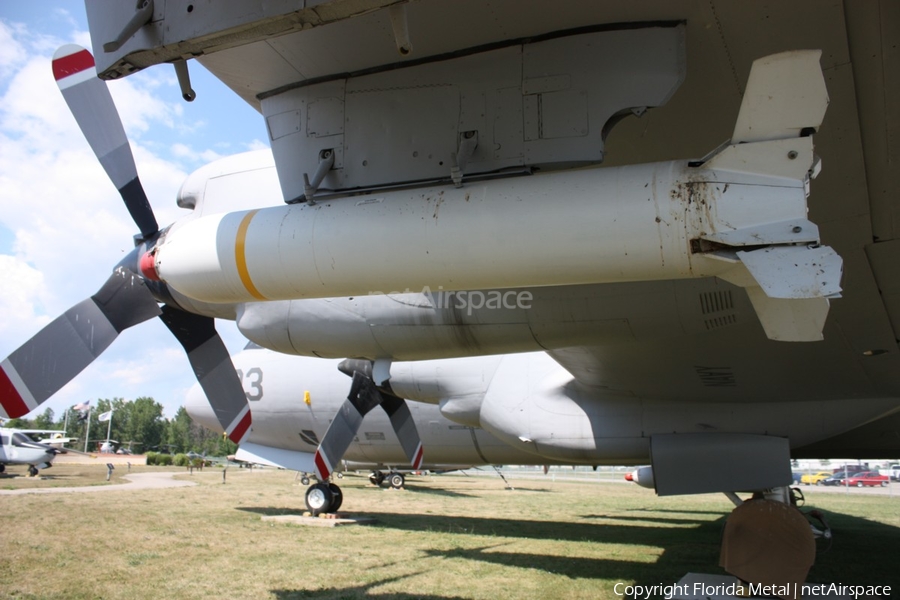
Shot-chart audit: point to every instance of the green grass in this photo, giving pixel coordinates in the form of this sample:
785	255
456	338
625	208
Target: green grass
444	537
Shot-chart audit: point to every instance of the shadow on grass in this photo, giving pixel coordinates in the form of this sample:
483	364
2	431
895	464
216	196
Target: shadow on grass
358	591
436	491
685	511
544	530
567	566
651	519
862	551
272	511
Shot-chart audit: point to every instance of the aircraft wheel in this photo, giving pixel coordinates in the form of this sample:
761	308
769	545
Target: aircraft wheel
337	497
376	478
319	498
32	472
304	480
859	484
339	475
396	480
2	468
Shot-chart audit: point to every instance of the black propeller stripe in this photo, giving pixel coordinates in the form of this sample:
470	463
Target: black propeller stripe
138	206
213	367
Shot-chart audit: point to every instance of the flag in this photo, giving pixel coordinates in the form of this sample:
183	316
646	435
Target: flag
82	406
105	416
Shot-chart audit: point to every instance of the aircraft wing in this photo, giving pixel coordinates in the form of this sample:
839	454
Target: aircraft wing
853	202
708	344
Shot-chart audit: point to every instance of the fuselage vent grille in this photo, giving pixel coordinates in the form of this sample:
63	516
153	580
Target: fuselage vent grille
718	307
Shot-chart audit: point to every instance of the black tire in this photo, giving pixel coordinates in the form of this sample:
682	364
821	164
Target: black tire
819	482
884	484
319	499
32	471
376	478
337	497
859	484
396	480
2	468
304	480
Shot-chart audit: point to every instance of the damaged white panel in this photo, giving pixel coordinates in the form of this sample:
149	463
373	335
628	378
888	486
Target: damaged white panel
795	271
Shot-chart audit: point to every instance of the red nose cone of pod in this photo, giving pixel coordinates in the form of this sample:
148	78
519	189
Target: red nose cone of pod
628	476
148	267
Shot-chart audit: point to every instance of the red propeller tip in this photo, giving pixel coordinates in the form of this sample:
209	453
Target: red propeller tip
148	267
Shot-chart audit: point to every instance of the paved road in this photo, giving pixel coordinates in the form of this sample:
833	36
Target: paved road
137	481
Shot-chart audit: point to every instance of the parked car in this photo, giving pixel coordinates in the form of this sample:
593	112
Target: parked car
796	477
815	478
871	478
836	479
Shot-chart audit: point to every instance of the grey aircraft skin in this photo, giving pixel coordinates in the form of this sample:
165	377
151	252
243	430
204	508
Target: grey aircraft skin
276	385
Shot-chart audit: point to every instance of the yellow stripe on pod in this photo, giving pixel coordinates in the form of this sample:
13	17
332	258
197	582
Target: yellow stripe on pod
240	257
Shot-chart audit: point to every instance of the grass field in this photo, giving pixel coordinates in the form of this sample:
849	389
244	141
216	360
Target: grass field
447	536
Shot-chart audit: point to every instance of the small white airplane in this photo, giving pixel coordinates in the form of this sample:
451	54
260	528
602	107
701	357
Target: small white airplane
456	147
18	448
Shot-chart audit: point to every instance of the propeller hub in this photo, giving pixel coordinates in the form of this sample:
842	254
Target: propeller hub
147	266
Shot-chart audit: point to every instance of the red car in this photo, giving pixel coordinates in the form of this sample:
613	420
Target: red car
872	478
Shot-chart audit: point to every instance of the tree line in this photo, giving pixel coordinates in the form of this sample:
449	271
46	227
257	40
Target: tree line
137	425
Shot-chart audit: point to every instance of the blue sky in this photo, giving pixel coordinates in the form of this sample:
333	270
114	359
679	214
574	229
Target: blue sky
62	224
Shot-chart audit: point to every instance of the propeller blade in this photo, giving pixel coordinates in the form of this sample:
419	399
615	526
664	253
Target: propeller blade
363	397
214	370
396	408
62	349
93	108
402	421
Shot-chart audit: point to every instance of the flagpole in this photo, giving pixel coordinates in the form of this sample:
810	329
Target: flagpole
108	429
87	435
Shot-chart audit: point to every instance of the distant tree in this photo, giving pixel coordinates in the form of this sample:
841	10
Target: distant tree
145	422
45	420
178	432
